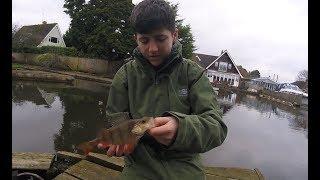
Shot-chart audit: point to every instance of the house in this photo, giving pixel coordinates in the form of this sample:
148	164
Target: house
291	89
219	68
39	35
265	83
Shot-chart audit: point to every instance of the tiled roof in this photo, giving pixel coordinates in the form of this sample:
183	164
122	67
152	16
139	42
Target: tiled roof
32	35
203	60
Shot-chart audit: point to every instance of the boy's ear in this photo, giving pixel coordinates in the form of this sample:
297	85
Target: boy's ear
134	37
175	34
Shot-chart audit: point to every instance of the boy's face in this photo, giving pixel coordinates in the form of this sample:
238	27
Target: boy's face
156	45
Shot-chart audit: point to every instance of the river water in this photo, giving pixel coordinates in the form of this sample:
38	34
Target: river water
48	117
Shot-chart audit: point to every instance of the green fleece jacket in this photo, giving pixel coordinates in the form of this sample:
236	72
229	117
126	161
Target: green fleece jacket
177	88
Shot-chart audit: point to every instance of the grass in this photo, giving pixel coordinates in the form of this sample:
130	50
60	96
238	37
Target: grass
17	66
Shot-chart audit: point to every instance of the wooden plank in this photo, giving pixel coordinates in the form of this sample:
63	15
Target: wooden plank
115	163
69	155
65	176
89	170
31	161
234	173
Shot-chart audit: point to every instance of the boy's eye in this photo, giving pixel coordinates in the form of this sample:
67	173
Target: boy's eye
161	39
143	40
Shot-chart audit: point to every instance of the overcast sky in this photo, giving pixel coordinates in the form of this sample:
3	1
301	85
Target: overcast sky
268	35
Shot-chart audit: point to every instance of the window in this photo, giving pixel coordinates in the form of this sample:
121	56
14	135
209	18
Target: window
223	66
229	66
216	64
53	39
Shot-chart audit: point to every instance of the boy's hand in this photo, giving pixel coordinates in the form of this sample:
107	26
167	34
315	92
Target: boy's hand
165	130
117	150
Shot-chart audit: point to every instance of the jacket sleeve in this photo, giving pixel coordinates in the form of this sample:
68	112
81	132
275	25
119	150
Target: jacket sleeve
203	129
118	100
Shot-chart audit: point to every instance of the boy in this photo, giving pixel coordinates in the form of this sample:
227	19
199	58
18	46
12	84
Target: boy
158	82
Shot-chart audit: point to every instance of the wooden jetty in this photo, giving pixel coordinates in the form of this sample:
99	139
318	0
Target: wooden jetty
70	166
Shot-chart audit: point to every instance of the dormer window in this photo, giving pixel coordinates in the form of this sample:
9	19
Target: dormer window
223	66
53	39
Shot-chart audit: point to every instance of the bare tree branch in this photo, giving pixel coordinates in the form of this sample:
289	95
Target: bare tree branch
302	75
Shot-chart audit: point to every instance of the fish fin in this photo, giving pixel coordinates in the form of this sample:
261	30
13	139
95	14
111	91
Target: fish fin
116	118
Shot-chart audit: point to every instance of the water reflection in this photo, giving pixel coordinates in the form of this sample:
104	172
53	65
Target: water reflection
298	118
80	114
262	134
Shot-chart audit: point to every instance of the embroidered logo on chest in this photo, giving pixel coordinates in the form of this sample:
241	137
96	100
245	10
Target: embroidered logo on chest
183	92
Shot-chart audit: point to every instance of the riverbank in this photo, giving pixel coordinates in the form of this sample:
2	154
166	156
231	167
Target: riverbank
66	165
39	73
292	101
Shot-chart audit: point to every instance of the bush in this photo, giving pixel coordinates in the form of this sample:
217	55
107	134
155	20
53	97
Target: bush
65	51
51	60
45	60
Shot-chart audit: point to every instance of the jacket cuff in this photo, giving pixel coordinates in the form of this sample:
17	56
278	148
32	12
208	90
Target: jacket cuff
177	142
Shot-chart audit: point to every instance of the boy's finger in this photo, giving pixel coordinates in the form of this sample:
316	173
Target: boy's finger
159	121
160	130
111	150
102	146
125	149
119	150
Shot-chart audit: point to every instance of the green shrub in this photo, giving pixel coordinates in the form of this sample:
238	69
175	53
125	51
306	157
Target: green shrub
16	66
64	51
50	60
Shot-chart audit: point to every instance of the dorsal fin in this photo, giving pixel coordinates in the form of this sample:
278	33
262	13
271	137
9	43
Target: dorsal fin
116	118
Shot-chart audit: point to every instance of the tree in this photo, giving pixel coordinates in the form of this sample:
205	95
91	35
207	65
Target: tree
302	76
100	28
185	36
15	28
243	71
254	74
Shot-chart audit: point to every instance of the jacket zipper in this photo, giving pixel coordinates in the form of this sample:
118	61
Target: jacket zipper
156	80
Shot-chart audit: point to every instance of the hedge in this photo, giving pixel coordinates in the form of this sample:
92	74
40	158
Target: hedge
66	51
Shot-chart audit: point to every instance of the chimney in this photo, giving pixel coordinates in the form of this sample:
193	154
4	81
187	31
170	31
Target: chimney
222	51
44	22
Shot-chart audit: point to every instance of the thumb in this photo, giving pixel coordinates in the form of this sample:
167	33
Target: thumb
159	121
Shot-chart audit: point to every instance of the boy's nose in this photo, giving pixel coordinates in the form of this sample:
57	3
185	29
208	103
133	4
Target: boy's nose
153	47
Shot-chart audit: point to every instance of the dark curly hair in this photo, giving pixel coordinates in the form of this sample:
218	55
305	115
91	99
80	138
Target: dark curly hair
149	15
